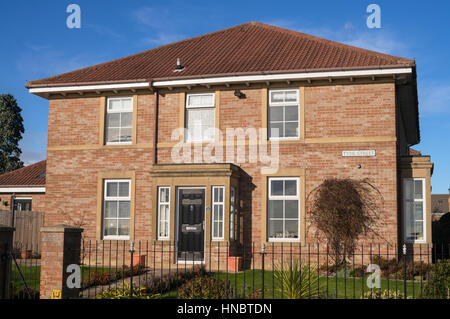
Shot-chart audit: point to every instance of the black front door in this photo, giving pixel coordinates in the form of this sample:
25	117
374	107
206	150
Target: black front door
191	229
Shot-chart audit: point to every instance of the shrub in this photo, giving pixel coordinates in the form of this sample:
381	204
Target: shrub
439	286
257	294
102	278
205	287
125	293
342	269
342	210
395	268
298	281
153	286
384	294
169	281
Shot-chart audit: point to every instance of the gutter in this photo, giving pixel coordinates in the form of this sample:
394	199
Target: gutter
222	79
22	189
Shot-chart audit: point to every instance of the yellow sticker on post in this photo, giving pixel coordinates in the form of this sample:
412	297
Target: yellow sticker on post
56	294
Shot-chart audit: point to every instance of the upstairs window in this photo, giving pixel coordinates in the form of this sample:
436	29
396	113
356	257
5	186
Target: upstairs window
200	117
283	114
414	209
119	121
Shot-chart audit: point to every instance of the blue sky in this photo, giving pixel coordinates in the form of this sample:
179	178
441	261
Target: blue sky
36	43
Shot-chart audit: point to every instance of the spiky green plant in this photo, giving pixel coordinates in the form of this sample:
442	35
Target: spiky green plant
297	281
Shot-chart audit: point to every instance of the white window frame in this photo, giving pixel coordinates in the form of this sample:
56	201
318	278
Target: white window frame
283	197
414	200
121	111
208	106
270	104
232	213
213	221
160	203
24	198
118	198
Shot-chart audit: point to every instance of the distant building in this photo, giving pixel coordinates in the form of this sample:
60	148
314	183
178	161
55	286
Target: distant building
28	184
440	205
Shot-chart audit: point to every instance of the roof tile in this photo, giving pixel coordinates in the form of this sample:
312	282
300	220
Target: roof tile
248	48
31	175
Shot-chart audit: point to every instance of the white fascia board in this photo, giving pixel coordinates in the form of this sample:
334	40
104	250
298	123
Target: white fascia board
78	88
284	77
22	189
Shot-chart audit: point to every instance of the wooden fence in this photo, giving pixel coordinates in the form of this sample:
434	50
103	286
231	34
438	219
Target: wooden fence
27	224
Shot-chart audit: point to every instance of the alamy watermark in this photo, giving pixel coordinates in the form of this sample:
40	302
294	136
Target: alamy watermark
73	21
374	19
236	145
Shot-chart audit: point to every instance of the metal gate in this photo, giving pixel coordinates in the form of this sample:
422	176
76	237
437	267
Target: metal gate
19	254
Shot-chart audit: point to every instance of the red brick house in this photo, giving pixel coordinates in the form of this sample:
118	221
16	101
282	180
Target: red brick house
221	137
28	184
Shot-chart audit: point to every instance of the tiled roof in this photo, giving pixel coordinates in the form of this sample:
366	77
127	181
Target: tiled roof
250	48
413	152
31	175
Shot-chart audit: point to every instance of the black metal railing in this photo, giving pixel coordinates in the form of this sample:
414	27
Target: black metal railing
25	271
116	269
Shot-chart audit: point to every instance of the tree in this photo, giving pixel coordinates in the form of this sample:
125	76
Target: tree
11	130
342	210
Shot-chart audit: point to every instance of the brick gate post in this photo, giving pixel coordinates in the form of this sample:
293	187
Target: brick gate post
6	244
60	247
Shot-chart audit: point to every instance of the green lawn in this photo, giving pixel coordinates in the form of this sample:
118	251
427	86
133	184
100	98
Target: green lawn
252	280
32	275
342	287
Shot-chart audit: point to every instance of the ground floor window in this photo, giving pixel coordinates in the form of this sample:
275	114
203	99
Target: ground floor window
283	209
414	208
116	216
22	204
218	212
163	213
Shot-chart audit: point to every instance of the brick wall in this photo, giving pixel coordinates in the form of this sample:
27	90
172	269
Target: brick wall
334	111
38	201
60	248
